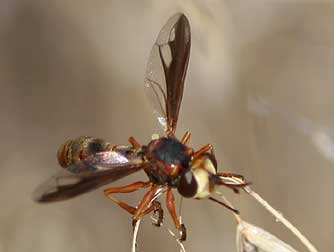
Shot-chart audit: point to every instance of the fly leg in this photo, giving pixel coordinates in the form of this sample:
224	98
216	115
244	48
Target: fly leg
234	187
186	137
222	179
185	140
209	147
171	208
125	189
231	175
144	208
157	209
202	150
136	146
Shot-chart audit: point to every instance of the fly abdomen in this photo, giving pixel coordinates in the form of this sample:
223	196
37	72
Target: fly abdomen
64	154
72	153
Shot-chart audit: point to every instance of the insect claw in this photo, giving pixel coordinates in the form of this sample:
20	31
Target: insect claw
157	223
235	190
183	233
134	222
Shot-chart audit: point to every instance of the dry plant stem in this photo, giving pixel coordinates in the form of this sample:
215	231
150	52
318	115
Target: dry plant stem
134	239
281	219
274	212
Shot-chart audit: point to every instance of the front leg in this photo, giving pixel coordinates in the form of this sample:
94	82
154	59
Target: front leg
170	202
222	179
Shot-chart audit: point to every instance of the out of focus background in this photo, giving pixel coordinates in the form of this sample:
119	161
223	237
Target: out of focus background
259	88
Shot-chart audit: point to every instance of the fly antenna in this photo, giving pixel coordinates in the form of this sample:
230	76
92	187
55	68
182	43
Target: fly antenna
224	205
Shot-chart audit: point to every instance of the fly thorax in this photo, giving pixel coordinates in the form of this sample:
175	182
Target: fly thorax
169	155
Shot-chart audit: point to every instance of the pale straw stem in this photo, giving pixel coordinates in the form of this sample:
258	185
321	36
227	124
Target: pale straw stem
281	219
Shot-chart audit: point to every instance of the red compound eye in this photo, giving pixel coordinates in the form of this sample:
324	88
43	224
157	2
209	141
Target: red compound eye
187	186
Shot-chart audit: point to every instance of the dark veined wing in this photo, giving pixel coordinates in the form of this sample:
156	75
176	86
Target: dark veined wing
104	167
166	70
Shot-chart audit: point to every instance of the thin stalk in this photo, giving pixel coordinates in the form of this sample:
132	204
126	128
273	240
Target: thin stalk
281	219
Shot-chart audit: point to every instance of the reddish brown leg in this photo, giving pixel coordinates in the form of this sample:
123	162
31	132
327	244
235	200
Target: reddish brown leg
236	187
201	151
171	208
134	143
186	137
212	152
170	132
113	148
142	207
156	208
125	189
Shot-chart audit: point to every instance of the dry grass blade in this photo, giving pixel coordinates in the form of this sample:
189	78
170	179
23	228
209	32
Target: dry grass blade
134	238
279	217
274	212
254	239
251	238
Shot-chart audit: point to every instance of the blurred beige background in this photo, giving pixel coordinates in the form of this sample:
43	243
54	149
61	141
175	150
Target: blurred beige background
259	87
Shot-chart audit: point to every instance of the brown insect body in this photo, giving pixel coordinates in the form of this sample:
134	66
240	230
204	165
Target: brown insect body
172	164
168	157
169	163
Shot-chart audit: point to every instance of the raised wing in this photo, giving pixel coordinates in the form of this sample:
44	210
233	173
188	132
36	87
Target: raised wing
89	172
166	70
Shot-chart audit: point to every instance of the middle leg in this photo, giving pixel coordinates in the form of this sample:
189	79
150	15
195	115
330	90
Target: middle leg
170	202
148	205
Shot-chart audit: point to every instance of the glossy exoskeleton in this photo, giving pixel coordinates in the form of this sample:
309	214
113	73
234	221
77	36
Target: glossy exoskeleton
168	162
